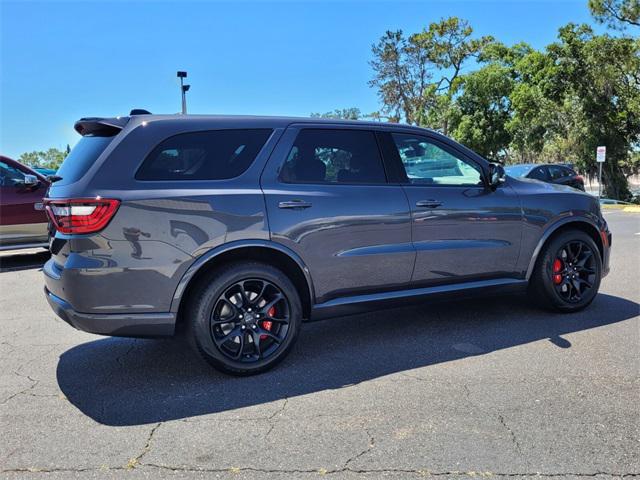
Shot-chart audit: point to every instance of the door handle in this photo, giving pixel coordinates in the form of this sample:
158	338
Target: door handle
428	203
295	204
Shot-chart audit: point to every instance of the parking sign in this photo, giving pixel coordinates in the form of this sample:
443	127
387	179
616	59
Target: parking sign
601	154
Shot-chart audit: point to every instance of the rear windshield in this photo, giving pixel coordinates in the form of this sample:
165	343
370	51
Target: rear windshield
82	156
211	155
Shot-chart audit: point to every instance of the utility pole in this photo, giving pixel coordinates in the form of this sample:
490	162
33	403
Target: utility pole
183	90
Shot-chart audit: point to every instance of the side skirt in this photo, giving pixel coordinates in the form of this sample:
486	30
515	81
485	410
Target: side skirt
364	303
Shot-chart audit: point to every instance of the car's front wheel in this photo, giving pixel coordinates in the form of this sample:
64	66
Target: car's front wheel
245	317
568	272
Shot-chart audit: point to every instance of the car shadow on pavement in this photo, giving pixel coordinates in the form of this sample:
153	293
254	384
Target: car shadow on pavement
119	381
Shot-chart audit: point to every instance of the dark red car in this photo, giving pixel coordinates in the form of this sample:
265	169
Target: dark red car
21	191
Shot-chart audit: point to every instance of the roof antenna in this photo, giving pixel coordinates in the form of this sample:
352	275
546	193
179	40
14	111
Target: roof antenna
183	90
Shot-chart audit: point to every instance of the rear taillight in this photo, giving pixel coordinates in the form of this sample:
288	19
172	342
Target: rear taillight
80	215
579	178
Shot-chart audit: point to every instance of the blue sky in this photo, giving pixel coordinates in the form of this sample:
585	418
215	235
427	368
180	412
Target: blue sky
64	60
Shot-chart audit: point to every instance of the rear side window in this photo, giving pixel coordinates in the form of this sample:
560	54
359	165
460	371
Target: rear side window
538	173
82	156
211	155
334	156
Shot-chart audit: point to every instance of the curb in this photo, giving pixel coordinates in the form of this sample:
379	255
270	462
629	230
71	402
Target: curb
622	208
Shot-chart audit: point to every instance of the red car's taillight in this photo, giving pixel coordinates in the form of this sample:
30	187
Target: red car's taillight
579	178
80	215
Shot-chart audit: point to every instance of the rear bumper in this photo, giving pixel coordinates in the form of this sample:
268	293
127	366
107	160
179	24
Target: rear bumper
118	325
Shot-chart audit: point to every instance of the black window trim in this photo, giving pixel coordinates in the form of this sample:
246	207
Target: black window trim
440	144
336	127
203	181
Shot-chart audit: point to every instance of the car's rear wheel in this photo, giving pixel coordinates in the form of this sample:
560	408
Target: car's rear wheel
244	318
568	272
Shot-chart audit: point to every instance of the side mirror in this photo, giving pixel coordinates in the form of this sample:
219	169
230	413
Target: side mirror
496	174
29	182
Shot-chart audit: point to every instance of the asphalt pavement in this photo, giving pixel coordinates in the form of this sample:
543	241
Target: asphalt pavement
483	388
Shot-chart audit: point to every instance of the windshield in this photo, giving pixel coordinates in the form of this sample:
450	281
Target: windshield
517	170
86	151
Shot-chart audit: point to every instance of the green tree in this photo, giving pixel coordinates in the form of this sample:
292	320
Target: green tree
351	113
483	109
401	76
598	77
417	76
617	14
448	46
51	158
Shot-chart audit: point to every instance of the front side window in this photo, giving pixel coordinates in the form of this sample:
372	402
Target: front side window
557	172
426	163
211	155
10	176
334	156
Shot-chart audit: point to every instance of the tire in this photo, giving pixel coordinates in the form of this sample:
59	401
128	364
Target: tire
241	334
562	283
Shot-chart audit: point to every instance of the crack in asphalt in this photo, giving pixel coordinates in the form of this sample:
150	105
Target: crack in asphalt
370	446
512	434
11	346
514	439
119	358
273	415
414	471
34	384
135	461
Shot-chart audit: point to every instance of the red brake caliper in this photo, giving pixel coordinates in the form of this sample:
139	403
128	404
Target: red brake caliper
267	324
557	266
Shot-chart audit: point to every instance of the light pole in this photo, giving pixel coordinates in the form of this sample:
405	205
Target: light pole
183	90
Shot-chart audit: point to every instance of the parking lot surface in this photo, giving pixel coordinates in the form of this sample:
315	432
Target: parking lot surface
481	388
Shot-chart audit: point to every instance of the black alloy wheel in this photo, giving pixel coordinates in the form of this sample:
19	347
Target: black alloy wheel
250	320
244	317
568	272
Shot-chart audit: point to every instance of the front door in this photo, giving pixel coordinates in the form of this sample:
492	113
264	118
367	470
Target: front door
20	222
462	230
329	201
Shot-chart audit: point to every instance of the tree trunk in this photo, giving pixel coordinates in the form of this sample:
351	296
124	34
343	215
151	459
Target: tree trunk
615	182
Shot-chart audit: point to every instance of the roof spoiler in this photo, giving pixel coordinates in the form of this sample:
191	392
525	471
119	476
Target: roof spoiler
100	127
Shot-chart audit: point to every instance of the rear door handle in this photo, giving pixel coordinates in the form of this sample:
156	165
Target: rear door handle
294	204
428	203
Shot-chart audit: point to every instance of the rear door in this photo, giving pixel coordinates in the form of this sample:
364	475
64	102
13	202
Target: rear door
329	201
462	230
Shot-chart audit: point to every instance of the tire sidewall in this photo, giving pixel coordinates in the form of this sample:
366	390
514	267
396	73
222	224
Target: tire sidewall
215	285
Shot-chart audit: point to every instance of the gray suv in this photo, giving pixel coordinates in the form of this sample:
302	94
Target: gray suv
236	229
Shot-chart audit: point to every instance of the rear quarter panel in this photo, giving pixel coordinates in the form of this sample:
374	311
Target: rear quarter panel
134	264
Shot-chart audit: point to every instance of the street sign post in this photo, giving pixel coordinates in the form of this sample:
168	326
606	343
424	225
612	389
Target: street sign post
601	155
